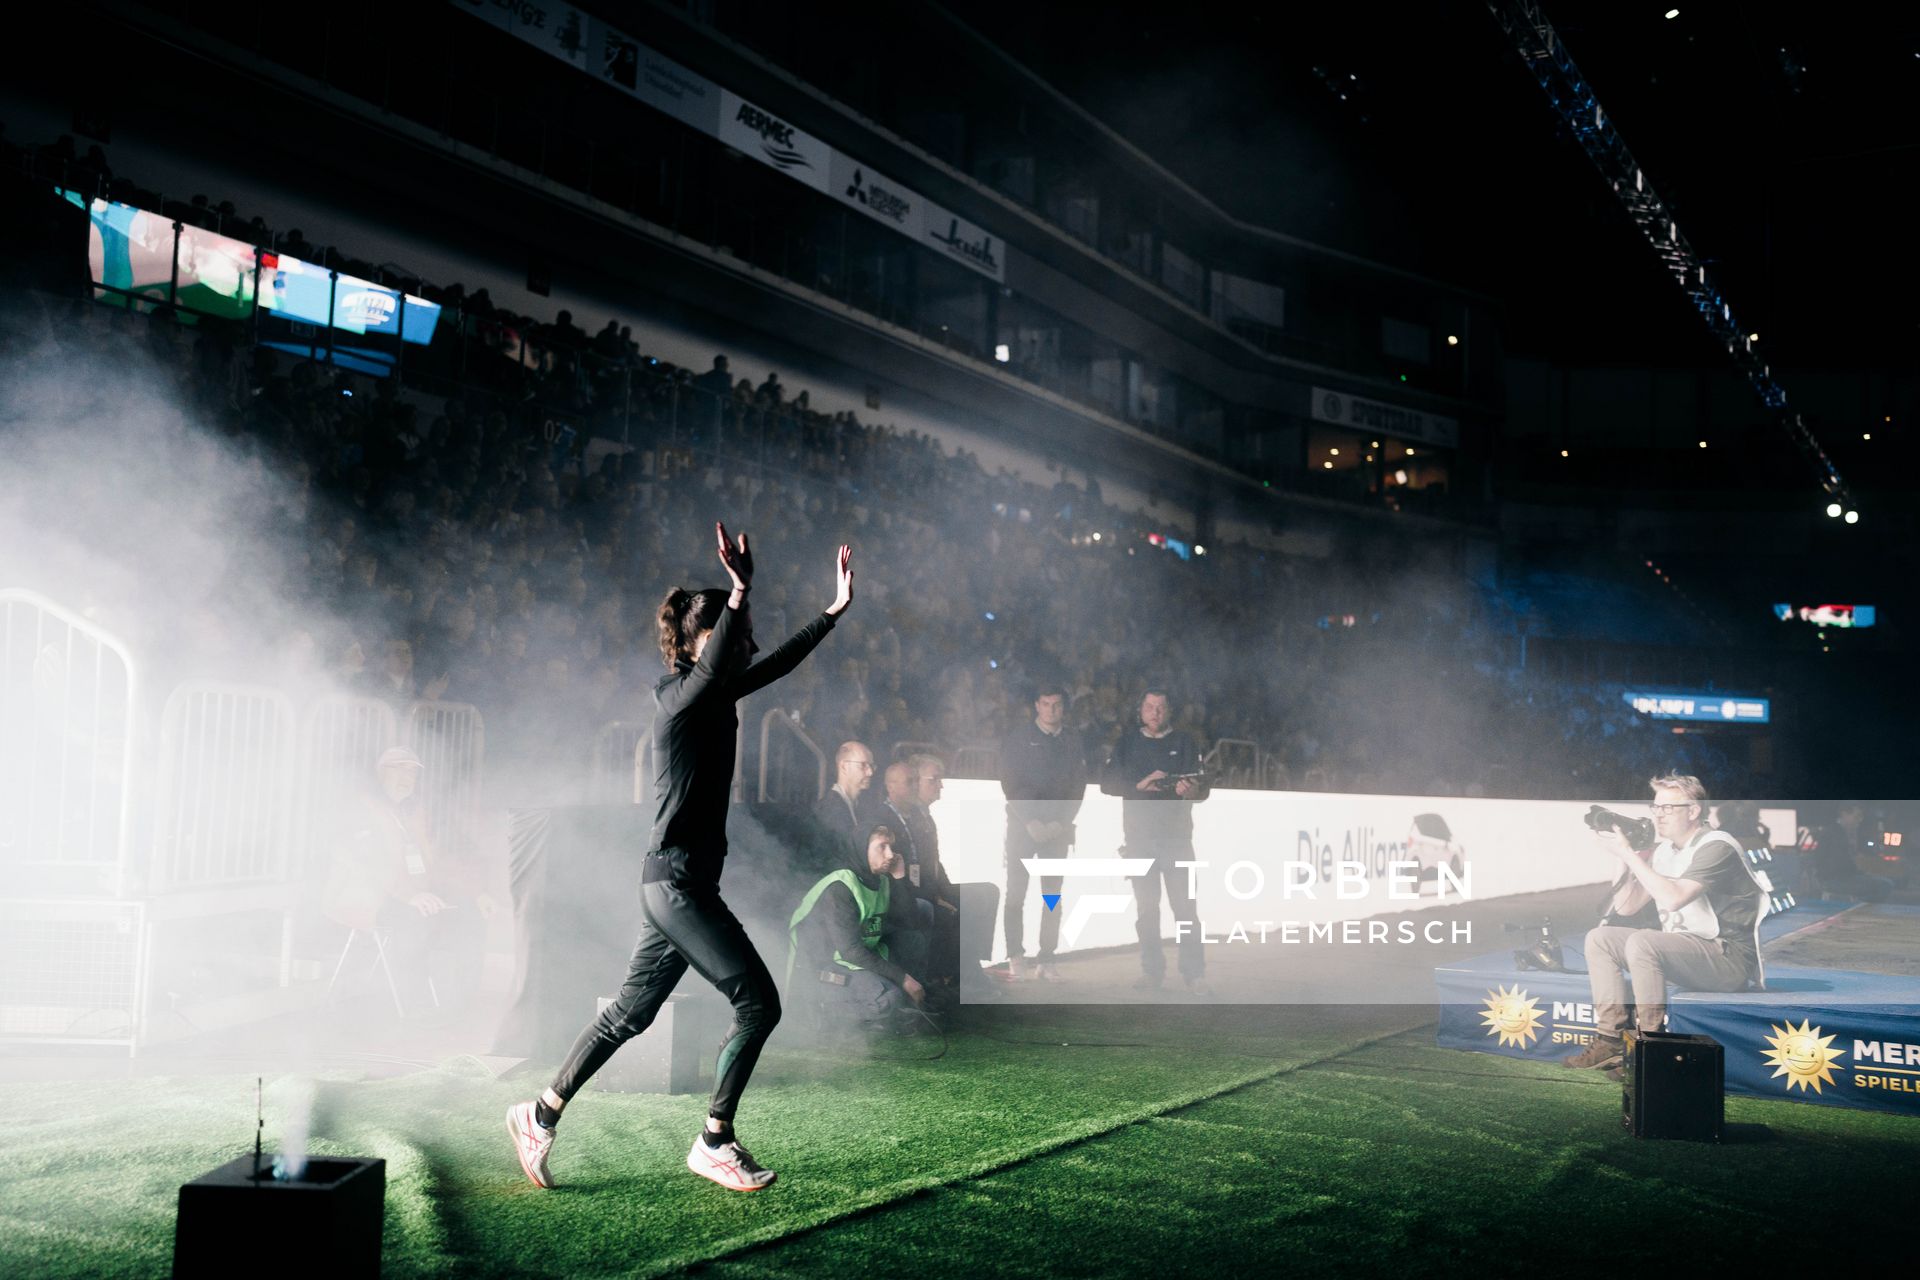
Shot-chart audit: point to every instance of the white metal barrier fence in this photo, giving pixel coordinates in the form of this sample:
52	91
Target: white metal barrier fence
67	713
72	970
617	771
341	739
1234	762
976	762
451	741
225	796
784	785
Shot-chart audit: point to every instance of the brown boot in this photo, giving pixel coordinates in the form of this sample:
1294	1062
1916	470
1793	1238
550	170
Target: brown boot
1605	1051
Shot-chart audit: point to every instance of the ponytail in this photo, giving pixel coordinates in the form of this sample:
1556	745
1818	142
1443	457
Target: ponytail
683	616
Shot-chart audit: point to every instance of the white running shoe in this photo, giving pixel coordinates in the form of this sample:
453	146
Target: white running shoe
531	1140
1044	972
729	1165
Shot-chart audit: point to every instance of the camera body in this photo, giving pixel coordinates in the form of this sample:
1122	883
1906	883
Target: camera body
1543	952
1638	831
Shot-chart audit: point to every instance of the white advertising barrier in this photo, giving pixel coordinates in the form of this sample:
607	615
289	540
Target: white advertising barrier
1274	857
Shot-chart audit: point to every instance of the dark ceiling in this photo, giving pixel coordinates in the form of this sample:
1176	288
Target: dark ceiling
1784	135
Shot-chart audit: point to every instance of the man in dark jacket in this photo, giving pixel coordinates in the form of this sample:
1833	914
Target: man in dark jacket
846	814
1158	772
961	914
1043	771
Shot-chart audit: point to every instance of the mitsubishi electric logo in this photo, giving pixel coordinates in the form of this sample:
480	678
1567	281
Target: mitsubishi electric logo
878	198
776	137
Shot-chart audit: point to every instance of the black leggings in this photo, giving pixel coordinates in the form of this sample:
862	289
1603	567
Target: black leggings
686	924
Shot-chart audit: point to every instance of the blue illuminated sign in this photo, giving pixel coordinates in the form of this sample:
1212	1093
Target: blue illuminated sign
1715	707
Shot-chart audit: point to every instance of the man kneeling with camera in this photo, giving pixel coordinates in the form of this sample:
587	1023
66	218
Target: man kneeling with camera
1709	936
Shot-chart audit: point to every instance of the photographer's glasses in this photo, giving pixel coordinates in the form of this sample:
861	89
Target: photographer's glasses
1663	810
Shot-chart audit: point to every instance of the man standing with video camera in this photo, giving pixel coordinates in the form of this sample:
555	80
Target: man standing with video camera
1157	770
1709	936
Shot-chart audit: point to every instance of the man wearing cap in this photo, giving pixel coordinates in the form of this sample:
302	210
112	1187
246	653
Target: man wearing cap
385	876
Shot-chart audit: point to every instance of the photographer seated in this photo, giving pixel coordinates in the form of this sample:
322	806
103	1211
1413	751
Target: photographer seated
852	944
1709	908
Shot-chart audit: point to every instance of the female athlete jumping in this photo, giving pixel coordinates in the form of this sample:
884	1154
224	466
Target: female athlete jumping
706	639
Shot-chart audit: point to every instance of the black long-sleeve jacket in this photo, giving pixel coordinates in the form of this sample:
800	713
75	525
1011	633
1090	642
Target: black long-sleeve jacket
846	825
1044	777
1153	817
693	736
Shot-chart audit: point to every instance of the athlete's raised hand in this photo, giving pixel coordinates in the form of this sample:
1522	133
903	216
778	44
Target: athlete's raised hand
843	582
737	560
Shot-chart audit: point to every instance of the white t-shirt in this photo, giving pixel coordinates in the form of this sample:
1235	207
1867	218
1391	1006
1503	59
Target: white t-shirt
1733	903
1697	917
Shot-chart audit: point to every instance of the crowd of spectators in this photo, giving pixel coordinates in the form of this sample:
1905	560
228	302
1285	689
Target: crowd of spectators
498	525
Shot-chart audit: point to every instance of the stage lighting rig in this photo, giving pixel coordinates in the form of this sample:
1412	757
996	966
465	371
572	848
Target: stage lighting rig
1541	48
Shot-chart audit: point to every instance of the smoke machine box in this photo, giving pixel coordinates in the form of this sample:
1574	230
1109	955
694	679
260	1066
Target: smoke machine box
325	1223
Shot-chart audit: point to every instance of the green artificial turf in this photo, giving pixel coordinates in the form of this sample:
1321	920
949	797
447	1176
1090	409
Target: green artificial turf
1404	1158
1045	1142
93	1168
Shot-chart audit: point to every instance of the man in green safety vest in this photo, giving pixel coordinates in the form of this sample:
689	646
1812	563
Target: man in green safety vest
851	947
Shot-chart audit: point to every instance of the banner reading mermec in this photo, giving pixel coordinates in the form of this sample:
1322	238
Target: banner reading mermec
772	141
1815	1046
1823	1036
1281	871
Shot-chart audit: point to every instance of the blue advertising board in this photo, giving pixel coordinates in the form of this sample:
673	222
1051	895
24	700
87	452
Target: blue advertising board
1717	708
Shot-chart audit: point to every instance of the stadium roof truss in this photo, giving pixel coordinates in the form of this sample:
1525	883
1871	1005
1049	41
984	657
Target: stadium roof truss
1540	47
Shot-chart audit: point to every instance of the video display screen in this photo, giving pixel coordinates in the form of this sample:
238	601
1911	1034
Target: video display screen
368	308
129	251
295	290
216	273
302	291
1826	615
133	254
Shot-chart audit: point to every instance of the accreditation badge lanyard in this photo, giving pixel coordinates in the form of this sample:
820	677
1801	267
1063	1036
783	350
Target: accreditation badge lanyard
416	860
